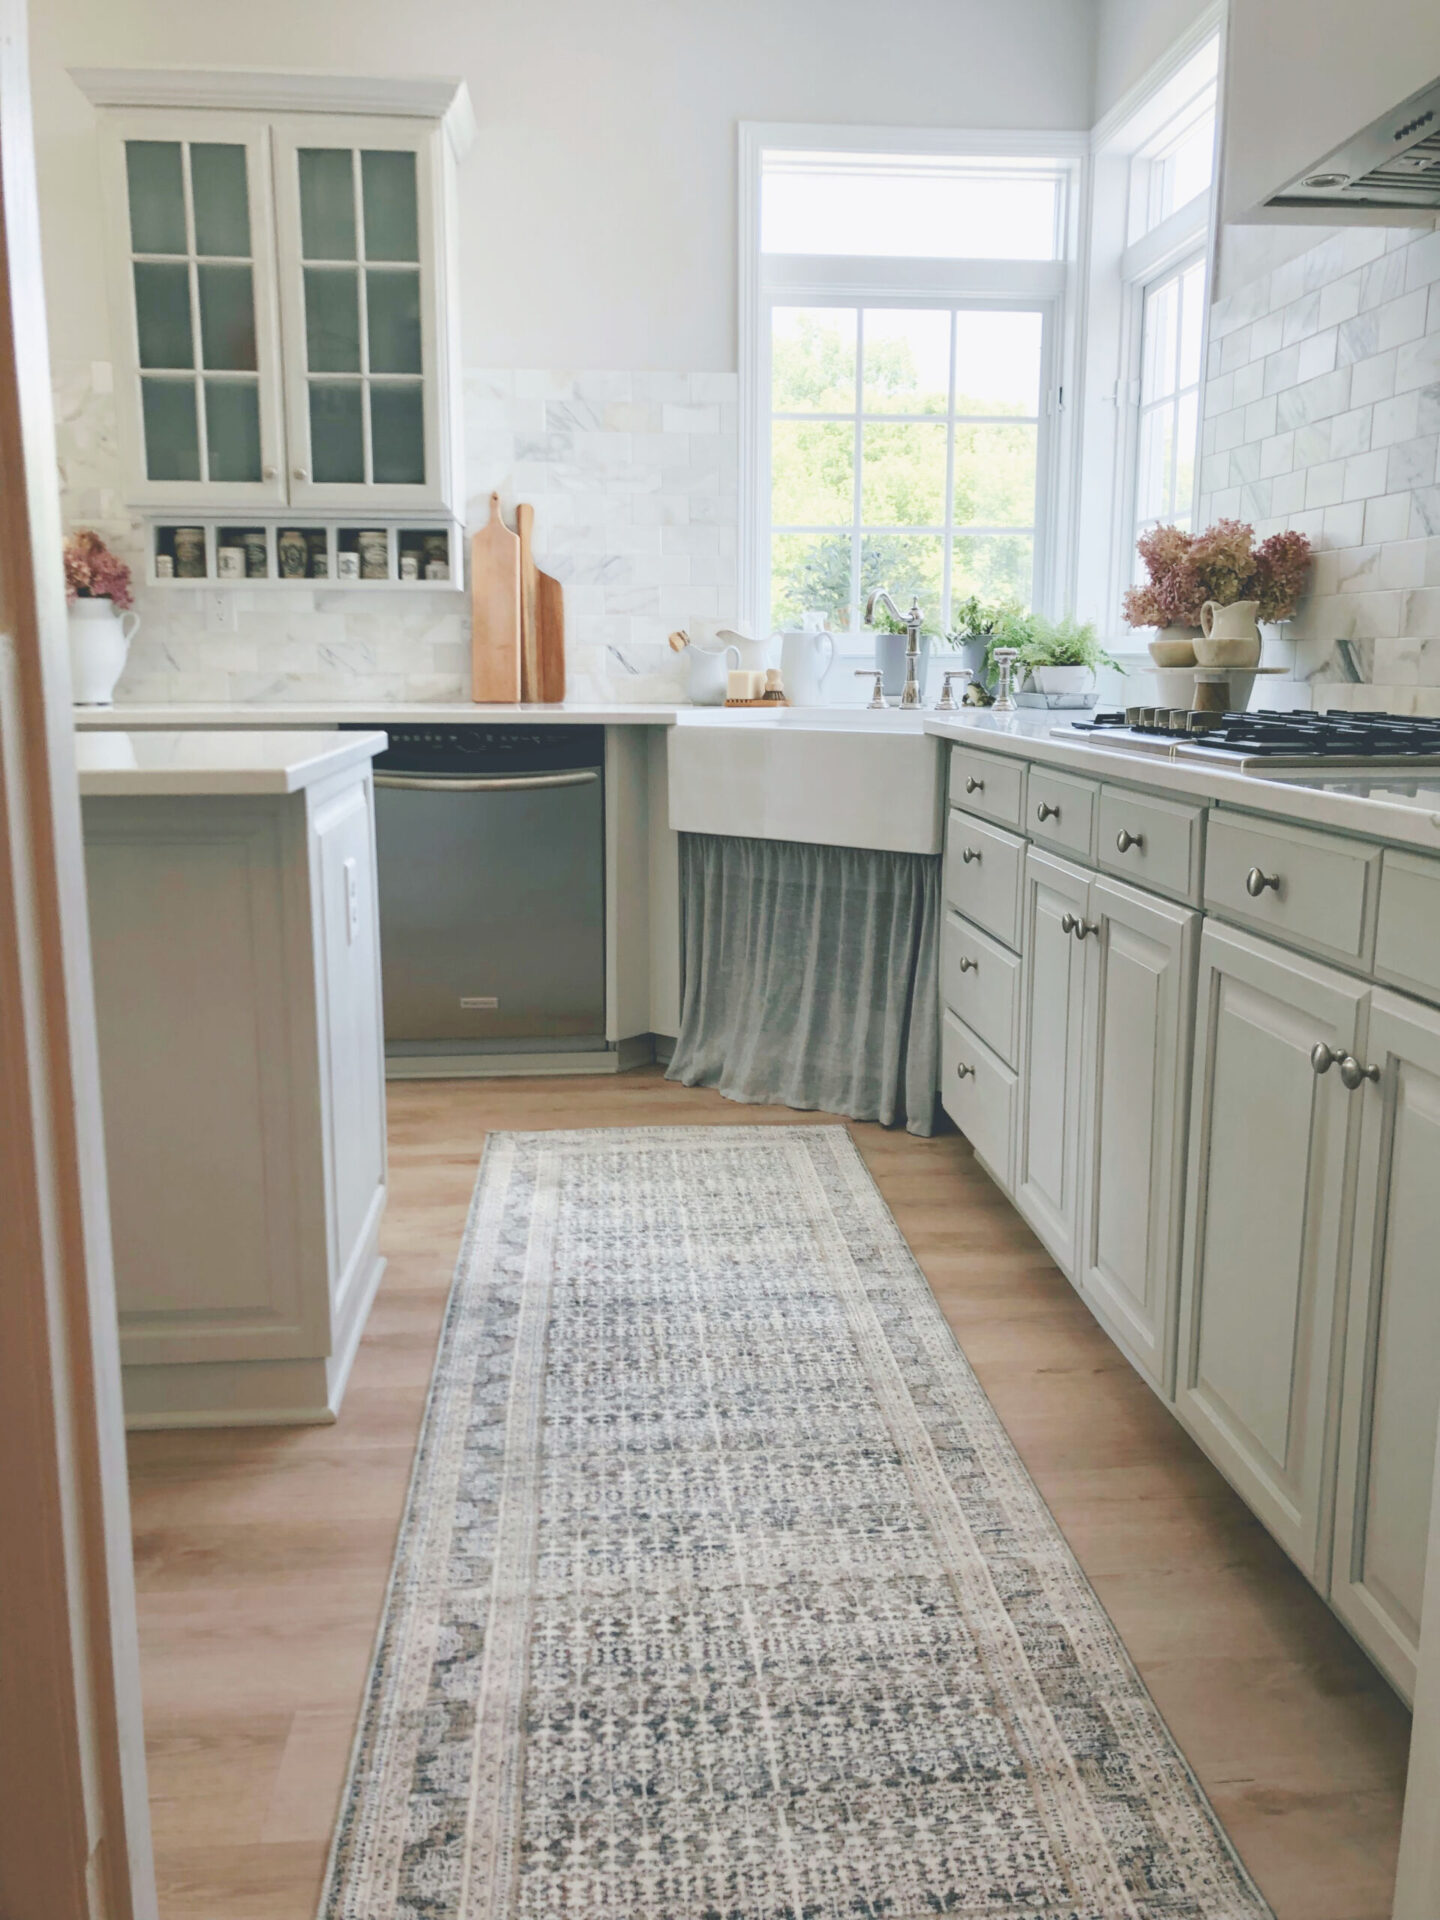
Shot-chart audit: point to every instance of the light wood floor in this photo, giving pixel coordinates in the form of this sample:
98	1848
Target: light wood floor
261	1556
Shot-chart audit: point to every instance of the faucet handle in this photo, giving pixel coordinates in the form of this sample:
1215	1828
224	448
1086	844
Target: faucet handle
947	703
877	701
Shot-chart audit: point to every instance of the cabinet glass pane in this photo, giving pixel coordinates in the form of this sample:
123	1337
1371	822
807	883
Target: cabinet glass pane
392	301
227	317
397	434
162	314
337	437
327	203
232	429
332	320
220	199
157	196
392	224
172	444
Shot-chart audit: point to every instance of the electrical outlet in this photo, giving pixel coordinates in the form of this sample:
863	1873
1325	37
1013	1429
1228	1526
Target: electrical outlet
220	611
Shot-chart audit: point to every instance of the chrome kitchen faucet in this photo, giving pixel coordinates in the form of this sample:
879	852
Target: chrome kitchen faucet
912	623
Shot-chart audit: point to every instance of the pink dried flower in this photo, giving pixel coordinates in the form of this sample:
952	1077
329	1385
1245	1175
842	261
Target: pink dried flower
92	572
1283	567
1174	595
1223	561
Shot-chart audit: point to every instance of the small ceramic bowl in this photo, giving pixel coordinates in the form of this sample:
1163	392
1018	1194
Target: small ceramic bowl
1173	653
1214	652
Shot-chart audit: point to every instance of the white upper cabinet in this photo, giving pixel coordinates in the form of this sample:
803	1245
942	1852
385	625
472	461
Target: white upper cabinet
283	297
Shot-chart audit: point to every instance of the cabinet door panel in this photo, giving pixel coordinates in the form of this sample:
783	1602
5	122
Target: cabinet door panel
1392	1352
1047	1170
197	360
358	215
1268	1155
1138	1034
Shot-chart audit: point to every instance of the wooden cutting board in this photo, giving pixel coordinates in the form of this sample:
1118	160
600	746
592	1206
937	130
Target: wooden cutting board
550	635
495	610
529	656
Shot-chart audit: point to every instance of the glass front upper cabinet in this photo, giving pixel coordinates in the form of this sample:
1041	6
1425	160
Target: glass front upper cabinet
280	287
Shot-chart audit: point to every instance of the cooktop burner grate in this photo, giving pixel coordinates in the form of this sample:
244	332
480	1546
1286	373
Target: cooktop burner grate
1289	736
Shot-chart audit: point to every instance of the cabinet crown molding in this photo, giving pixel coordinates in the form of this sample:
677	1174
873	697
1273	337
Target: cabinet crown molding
407	96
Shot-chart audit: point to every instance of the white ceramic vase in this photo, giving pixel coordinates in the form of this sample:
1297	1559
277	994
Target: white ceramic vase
1228	636
710	673
99	645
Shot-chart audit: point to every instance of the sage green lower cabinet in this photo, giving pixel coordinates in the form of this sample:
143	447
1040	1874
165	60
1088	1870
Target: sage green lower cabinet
1391	1396
1047	1157
1269	1142
1140	964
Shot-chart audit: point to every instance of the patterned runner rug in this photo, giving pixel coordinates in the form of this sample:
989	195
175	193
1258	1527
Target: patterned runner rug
721	1593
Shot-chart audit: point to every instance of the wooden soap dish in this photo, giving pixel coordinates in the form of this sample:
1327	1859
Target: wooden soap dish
765	700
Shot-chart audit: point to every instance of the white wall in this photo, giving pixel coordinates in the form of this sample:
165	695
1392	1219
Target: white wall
1130	37
598	206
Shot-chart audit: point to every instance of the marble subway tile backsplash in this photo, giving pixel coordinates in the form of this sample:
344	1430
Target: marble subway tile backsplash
1322	413
634	481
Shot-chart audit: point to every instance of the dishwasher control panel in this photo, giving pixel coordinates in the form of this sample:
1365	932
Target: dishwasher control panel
521	747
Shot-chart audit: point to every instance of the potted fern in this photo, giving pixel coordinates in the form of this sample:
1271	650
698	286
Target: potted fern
1061	657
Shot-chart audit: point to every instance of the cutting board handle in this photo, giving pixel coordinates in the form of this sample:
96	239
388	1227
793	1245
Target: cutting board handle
495	509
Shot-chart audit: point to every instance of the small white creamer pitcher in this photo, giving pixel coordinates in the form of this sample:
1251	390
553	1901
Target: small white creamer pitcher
801	655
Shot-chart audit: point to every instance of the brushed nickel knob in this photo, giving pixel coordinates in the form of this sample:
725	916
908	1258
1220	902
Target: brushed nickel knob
1124	840
969	854
1352	1073
1046	812
1256	882
961	1070
1322	1057
967	965
1068	923
1085	927
972	785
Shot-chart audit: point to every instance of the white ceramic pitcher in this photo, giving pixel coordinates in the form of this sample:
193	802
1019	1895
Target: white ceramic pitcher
1228	636
709	673
800	657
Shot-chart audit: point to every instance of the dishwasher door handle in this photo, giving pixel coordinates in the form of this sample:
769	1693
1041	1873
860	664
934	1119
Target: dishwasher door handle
506	783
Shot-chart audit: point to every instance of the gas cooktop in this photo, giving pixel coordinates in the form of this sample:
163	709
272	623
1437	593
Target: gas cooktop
1266	742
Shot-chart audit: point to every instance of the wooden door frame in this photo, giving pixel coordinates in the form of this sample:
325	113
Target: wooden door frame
74	1822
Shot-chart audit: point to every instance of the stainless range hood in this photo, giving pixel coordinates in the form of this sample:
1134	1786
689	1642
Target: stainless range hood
1395	162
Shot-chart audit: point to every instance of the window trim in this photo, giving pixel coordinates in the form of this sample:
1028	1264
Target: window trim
764	281
1117	273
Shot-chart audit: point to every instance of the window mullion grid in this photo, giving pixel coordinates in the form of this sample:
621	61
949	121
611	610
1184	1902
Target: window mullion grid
192	275
856	455
946	590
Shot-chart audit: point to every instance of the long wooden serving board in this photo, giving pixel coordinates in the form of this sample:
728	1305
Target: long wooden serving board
542	620
495	610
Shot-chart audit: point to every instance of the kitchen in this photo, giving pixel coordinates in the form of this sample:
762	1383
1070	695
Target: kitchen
1124	998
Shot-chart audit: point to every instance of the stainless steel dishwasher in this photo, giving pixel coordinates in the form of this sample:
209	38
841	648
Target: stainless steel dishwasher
491	851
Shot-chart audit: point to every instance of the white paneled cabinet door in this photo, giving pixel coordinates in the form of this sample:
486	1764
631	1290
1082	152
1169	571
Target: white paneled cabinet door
362	292
197	360
1392	1350
1267	1164
1137	1023
1047	1183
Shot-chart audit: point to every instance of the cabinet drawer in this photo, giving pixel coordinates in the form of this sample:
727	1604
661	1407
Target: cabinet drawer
980	981
983	867
1060	812
1407	940
987	784
1312	889
1154	842
977	1090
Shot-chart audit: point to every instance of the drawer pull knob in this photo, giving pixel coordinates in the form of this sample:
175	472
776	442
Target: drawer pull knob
969	854
1352	1073
1322	1057
961	1070
1068	923
1124	840
967	965
1083	928
1046	812
972	785
1256	882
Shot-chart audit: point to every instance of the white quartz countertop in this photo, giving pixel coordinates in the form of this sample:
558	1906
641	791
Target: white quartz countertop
195	760
1382	804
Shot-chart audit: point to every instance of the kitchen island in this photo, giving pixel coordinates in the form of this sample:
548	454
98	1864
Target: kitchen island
231	880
